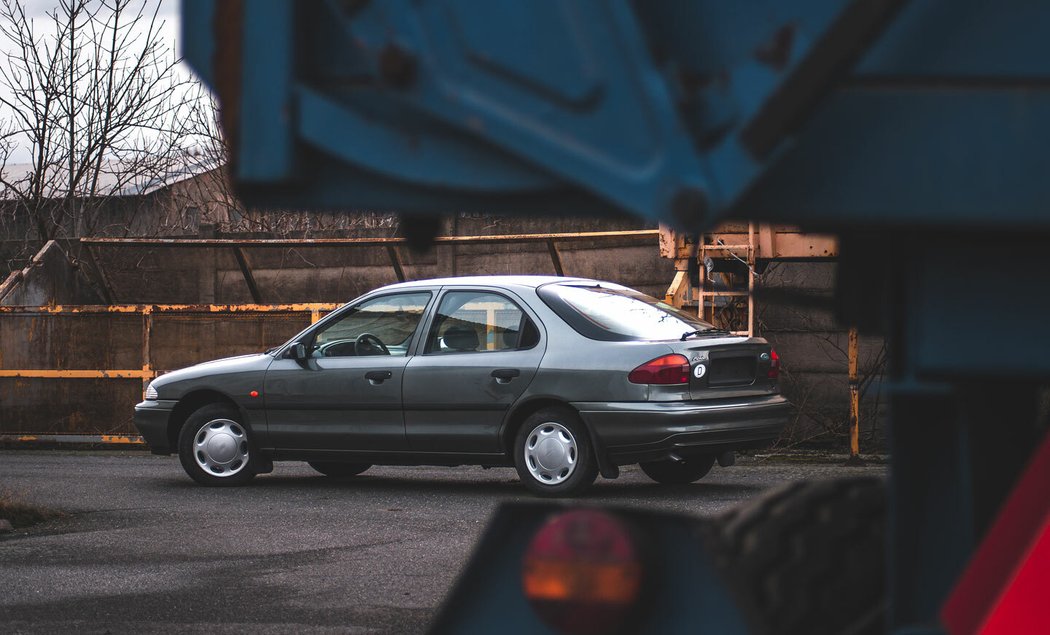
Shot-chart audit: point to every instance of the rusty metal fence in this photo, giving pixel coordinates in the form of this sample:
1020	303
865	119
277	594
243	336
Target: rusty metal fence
38	402
72	372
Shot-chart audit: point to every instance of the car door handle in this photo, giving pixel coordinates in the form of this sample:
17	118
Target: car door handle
378	376
504	375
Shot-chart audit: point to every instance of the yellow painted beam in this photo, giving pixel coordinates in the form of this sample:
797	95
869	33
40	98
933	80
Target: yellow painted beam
171	308
77	374
108	439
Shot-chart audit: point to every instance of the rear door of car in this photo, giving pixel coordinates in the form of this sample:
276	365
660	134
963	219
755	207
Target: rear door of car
481	350
346	396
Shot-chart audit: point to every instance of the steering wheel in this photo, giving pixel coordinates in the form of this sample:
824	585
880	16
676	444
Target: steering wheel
368	344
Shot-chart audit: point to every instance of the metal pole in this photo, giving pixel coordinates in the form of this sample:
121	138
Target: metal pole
854	400
147	356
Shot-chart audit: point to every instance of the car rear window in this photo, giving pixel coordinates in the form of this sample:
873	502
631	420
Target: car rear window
602	311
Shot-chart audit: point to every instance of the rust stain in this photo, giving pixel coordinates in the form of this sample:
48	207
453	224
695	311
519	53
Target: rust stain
121	438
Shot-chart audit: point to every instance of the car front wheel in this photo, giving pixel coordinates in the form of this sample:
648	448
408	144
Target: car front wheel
215	447
678	473
553	454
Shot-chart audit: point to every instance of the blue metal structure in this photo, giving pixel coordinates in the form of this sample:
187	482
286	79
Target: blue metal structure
923	125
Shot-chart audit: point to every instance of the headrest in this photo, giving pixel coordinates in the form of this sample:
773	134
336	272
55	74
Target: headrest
461	338
510	338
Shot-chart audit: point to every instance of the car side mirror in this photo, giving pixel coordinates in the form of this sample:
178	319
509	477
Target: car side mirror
297	351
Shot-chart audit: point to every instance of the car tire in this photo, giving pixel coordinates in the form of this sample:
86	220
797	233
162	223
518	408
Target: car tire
216	448
809	557
553	454
690	470
339	470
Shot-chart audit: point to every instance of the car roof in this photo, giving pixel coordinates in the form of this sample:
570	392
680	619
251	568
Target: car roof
498	281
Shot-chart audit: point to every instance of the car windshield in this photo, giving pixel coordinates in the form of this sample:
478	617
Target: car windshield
612	312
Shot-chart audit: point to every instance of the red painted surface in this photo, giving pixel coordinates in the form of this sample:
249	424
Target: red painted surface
1005	587
1023	608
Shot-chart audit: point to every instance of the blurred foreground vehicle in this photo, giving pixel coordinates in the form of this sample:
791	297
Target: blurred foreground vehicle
916	130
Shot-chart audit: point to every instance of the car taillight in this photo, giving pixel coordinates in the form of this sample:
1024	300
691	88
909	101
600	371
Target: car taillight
669	369
774	364
582	573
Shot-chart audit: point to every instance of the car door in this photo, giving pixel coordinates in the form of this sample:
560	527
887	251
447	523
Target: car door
346	393
481	351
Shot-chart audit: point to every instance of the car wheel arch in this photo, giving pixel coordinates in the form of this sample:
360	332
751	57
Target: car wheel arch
521	412
193	401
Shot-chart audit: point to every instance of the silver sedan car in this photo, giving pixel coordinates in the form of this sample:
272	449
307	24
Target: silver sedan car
561	378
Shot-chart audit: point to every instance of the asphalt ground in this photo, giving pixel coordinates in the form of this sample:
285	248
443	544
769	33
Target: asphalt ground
143	549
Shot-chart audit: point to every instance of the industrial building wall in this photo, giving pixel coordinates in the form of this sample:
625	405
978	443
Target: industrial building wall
812	346
813	352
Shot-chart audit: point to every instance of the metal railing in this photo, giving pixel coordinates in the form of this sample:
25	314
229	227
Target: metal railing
147	371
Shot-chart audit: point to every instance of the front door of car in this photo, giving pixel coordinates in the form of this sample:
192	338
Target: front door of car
481	352
345	394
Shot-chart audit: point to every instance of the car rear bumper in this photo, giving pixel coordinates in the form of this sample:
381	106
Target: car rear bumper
151	419
651	431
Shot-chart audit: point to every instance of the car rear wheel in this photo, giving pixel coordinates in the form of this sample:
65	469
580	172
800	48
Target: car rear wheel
690	470
339	470
215	447
553	454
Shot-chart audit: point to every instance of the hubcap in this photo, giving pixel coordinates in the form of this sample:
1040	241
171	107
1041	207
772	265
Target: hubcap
221	447
550	453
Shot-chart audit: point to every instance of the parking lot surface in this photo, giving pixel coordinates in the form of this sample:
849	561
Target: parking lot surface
143	549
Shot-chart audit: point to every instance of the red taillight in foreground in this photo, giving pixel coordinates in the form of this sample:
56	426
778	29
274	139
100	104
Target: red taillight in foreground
669	369
774	364
582	573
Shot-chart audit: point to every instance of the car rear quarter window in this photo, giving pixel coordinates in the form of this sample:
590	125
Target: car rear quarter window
615	313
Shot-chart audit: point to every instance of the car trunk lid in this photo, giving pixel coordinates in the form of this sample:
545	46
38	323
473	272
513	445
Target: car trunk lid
728	366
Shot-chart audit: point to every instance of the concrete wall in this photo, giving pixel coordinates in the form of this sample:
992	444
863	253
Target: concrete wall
50	278
812	348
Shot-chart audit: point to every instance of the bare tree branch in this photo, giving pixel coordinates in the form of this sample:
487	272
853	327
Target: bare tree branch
90	91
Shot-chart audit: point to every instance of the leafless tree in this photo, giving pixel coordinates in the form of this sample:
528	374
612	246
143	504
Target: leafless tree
212	193
91	93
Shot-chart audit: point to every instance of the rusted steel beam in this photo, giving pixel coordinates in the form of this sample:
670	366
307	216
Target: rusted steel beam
322	242
675	294
395	260
172	308
853	354
10	283
555	257
77	374
115	439
246	271
147	331
774	243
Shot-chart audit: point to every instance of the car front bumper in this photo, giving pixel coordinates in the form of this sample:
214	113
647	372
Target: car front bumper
151	419
652	431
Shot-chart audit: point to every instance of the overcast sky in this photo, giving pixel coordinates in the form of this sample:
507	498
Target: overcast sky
38	9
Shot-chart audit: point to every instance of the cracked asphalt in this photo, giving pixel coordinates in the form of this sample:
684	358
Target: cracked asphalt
145	550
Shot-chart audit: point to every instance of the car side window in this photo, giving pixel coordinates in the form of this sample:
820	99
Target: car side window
380	326
479	322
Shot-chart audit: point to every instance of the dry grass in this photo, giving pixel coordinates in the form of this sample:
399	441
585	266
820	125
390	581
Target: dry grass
22	514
